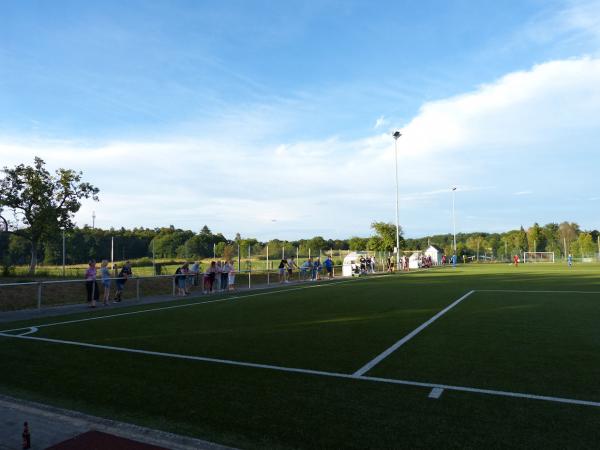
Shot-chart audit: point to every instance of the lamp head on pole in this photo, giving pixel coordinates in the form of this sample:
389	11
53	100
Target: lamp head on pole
396	134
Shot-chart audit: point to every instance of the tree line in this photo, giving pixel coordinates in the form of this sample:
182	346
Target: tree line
82	244
37	209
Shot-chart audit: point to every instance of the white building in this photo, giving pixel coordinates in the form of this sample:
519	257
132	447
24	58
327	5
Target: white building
435	253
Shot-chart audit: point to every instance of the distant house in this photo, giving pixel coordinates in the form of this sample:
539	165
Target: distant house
435	253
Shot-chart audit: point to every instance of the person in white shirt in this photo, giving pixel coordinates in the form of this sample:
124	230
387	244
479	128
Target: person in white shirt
231	276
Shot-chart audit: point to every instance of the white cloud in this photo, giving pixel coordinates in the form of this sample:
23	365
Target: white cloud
525	129
380	122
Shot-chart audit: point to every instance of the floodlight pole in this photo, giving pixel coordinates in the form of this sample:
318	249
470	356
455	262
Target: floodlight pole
454	218
396	135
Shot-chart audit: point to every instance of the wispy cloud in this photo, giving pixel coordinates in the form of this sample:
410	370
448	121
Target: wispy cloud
380	122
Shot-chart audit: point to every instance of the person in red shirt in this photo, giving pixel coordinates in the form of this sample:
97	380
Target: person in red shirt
516	260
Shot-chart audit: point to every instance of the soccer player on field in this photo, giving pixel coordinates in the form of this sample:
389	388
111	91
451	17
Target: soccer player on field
516	260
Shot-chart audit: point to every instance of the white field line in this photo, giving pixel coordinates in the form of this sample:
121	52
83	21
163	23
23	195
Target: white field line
32	330
316	372
538	292
186	305
364	369
436	393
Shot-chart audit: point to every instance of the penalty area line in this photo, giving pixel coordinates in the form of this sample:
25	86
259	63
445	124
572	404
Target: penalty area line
364	369
434	387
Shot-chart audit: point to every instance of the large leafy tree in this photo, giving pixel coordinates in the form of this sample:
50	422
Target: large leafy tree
386	231
36	205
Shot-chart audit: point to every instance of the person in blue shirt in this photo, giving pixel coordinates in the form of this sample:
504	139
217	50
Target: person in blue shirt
454	261
306	269
570	260
316	272
329	267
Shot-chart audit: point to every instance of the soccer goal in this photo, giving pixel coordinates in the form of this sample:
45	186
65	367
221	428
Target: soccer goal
536	257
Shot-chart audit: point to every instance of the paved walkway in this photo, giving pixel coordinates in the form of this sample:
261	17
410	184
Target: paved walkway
50	426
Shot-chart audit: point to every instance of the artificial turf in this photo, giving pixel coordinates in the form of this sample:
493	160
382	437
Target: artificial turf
534	343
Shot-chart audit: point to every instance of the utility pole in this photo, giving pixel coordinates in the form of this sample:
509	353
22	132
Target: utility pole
397	135
454	219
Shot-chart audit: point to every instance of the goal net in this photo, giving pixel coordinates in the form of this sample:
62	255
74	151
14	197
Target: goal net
538	257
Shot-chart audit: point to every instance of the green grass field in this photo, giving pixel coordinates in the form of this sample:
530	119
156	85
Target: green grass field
515	364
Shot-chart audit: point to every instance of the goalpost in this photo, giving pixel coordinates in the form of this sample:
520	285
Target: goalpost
536	257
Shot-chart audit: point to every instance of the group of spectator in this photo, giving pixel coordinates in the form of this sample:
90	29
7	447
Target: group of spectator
91	284
218	276
310	269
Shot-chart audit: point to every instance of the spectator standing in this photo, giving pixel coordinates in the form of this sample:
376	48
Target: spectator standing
91	285
281	269
195	271
231	276
225	268
122	278
306	270
209	278
317	269
218	273
291	264
187	279
329	267
105	274
180	281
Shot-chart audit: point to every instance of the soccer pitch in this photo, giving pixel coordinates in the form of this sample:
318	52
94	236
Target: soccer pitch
482	356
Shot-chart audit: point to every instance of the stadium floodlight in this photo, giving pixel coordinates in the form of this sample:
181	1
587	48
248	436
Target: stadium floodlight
396	135
454	218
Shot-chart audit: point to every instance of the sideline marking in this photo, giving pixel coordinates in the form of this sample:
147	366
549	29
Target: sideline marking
436	393
539	292
318	372
364	369
235	297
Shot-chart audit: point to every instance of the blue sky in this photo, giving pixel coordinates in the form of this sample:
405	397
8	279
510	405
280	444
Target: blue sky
273	119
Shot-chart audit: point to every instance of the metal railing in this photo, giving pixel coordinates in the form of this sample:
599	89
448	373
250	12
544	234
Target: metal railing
47	293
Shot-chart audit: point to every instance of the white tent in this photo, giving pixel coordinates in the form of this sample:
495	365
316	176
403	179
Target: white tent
414	261
351	264
435	253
